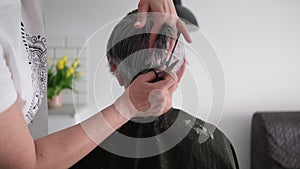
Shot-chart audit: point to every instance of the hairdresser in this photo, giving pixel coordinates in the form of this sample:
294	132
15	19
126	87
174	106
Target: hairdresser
23	90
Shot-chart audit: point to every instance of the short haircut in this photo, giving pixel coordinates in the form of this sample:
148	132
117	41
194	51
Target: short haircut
125	41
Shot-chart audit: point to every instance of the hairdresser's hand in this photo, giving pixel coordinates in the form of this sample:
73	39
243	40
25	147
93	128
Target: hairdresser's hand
166	13
142	98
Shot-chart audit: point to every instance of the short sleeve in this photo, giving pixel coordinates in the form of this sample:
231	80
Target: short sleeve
8	94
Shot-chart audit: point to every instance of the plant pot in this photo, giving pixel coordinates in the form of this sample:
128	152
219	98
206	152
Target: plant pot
56	101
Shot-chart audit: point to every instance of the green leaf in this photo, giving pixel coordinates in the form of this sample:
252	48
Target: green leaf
50	92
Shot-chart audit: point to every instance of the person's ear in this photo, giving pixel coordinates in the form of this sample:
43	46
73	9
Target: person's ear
113	68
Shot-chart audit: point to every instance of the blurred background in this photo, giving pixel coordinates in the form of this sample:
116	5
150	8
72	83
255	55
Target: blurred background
258	43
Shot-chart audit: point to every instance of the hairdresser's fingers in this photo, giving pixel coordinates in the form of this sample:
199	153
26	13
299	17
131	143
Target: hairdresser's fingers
147	76
141	20
169	80
180	72
181	26
172	76
173	88
154	31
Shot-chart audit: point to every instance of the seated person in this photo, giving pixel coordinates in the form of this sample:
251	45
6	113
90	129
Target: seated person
182	141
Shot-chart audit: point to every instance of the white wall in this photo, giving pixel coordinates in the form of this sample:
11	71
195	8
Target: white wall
258	43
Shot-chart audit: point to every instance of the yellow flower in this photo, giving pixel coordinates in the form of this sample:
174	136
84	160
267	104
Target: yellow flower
60	65
48	60
70	72
75	63
64	59
79	74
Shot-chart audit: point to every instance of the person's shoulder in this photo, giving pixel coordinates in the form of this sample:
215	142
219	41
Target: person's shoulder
192	120
207	140
202	127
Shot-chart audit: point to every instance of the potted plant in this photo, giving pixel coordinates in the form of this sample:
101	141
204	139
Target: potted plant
61	77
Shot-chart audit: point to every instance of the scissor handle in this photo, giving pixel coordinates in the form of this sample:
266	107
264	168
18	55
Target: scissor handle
158	75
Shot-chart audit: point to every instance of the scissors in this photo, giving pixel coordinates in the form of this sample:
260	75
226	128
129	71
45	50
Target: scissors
160	75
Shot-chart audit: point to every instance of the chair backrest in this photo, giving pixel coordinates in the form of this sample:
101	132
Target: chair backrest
275	140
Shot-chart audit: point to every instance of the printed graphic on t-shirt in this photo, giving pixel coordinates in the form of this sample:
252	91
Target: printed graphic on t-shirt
36	49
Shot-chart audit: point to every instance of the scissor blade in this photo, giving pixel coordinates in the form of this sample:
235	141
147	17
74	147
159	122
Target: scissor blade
169	68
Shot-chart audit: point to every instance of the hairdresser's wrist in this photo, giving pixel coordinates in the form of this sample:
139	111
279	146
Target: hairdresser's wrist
113	117
124	106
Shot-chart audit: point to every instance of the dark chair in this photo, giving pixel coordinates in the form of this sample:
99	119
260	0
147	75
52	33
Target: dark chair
275	140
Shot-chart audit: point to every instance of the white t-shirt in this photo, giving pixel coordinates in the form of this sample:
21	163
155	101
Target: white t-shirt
23	61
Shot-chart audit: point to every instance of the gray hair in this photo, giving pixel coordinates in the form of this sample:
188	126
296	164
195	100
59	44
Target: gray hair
128	48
